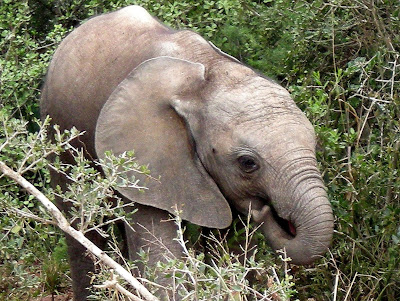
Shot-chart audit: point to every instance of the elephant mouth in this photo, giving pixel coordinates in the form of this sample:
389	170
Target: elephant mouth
287	226
277	225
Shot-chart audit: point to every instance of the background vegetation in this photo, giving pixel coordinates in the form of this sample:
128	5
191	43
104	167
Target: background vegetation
338	58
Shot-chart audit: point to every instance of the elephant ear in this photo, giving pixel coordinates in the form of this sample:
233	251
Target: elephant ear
140	115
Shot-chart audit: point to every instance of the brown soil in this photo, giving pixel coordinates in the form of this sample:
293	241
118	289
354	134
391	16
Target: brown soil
65	297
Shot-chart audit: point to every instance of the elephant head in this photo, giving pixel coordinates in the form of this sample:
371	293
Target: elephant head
220	137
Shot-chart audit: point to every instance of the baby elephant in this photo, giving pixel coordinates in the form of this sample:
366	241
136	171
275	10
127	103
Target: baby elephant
218	134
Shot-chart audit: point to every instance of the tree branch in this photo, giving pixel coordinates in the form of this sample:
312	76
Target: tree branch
67	228
113	284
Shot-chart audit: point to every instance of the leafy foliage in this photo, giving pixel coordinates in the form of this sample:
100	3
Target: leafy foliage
339	59
218	275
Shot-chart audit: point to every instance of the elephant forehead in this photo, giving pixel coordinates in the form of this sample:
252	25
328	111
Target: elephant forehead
276	125
246	92
259	126
243	106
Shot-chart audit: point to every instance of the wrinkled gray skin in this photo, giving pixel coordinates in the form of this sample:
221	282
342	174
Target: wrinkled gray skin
218	134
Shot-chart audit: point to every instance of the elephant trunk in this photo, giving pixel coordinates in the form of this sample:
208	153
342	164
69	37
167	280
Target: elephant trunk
299	220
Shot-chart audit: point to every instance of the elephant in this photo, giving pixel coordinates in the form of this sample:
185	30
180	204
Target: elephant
222	137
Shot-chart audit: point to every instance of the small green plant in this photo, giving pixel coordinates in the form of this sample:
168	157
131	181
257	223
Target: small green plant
55	268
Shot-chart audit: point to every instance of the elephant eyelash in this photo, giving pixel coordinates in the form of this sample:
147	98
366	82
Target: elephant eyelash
244	151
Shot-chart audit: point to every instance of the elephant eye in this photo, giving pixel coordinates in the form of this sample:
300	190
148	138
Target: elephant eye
248	164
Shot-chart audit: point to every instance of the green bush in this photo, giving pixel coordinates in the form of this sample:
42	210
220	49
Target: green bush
338	58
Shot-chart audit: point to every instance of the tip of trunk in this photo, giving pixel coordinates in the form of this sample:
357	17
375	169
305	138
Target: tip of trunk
303	244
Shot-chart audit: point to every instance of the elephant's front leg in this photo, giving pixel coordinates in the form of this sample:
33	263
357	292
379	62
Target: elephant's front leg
81	264
154	233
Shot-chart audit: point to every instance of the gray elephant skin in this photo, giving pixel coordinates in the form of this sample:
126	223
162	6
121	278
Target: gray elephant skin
219	135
